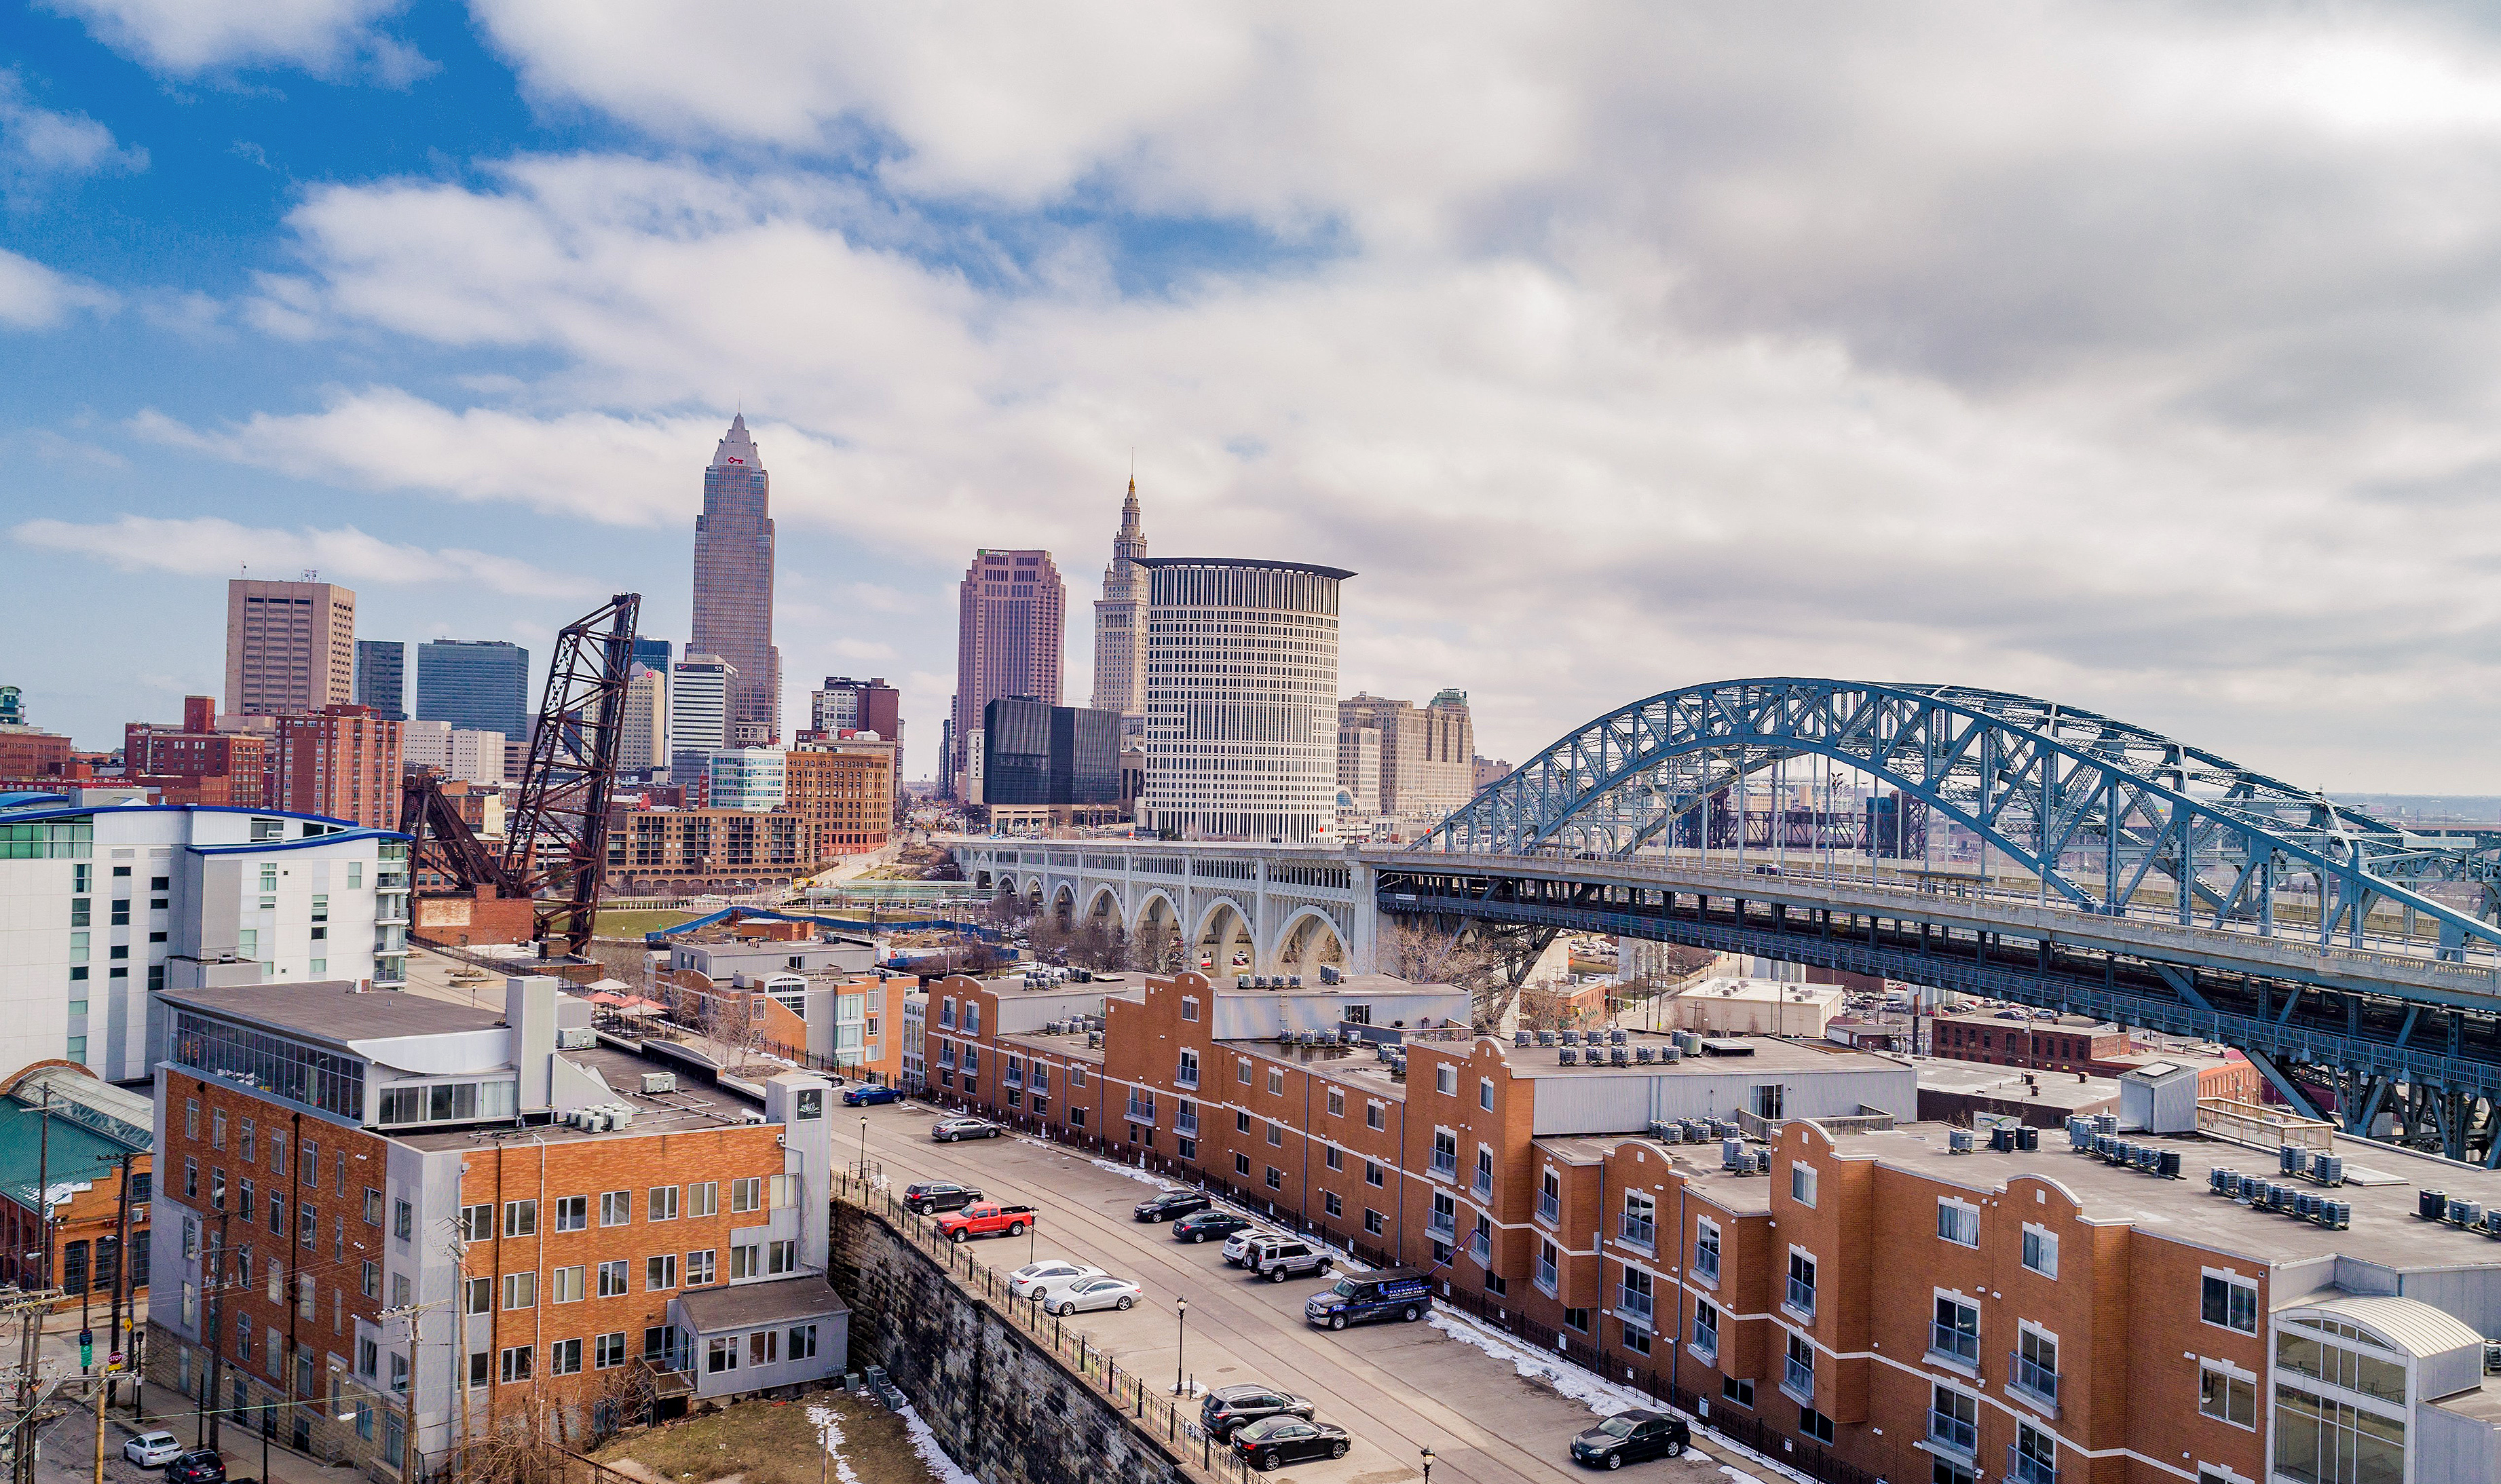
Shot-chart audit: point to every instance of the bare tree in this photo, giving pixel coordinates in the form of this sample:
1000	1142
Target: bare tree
1489	966
1158	950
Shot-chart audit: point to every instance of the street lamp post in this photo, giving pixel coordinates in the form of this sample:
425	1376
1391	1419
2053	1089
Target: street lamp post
1181	1312
1428	1465
863	1171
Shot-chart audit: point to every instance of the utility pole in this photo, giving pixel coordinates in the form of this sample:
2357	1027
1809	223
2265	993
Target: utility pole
118	1355
208	1431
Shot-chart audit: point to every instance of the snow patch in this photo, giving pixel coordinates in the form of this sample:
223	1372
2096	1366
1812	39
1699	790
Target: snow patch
1593	1391
926	1444
829	1432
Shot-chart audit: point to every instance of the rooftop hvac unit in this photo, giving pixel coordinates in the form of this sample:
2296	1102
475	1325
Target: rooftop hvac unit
1732	1154
2466	1213
2027	1138
1670	1052
576	1038
1241	981
2215	1178
1567	1057
1620	1056
2327	1169
2080	1132
591	1121
1522	1038
1294	981
659	1082
1958	1141
2304	1204
2106	1123
1697	1130
1093	1040
1667	1133
619	1115
1329	975
1569	1037
2431	1204
1616	1037
2288	1158
1645	1055
1545	1037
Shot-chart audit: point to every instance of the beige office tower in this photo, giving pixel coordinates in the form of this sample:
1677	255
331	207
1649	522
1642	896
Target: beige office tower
1358	770
291	646
1426	753
1121	623
646	740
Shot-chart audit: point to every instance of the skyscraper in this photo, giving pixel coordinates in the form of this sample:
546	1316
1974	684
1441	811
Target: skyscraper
1120	620
291	646
381	678
1011	613
1241	698
1426	753
645	742
734	581
845	704
476	684
698	713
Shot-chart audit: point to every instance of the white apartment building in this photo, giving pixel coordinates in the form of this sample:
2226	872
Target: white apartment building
1242	712
104	906
476	757
747	779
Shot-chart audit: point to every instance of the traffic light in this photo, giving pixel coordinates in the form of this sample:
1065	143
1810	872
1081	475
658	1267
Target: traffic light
86	1349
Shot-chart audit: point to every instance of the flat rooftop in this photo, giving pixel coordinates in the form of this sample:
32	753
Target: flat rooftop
1369	986
1070	1045
1764	1053
2009	1084
1117	985
336	1011
693	1107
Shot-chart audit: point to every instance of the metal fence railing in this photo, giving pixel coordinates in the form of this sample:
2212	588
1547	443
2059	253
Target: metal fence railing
1152	1408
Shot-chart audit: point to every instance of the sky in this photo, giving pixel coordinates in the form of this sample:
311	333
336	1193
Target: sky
2139	357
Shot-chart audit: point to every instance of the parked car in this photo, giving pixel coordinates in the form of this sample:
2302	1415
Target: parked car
201	1466
1172	1204
1201	1225
947	1131
1092	1292
987	1218
1048	1273
1288	1441
864	1096
149	1449
939	1196
1279	1258
1230	1408
1237	1245
1361	1298
1630	1436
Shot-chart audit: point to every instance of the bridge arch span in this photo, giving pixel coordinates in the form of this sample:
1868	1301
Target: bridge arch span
1306	940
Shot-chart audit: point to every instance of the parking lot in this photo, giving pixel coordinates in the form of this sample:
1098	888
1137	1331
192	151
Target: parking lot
1396	1388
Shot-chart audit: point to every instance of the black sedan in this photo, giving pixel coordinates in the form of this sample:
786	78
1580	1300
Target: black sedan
1231	1408
1288	1441
1209	1225
939	1196
1172	1204
1629	1436
201	1467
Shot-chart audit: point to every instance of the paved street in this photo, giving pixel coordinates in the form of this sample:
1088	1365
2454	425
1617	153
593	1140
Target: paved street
1397	1388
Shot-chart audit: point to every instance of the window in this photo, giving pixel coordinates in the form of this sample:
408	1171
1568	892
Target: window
1372	1116
1740	1391
1801	1289
663	1206
565	1284
1706	1331
2230	1302
1188	1075
745	1261
781	1256
1276	1081
1954	1334
1337	1101
520	1218
2297	1352
1276	1135
517	1363
479	1296
403	1220
1333	1157
476	1222
764	1347
612	1280
1706	1251
1241	1122
564	1357
1331	1203
660	1345
803	1343
703	1200
1189	1007
746	1195
609	1351
1636	1338
2036	1363
1445	1080
1242	1163
1959	1223
1813	1423
1802	1184
217	1128
659	1272
521	1290
1485	1093
700	1268
2035	1460
572	1213
2040	1251
372	1286
1242	1071
1767	1100
1954	1420
1371	1173
1797	1369
2227	1398
720	1354
1446	1154
1276	1178
1373	1222
615	1208
1638	1227
1485	1171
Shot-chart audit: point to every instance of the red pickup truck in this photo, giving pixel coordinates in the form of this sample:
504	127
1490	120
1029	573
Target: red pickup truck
986	1218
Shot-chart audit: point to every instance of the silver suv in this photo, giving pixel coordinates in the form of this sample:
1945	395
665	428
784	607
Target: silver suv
1280	1258
1237	1247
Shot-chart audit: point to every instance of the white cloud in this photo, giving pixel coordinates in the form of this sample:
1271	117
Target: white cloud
187	37
33	297
38	144
206	546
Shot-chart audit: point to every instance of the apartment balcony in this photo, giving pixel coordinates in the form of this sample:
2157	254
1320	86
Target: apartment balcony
1797	1378
1483	1186
1186	1078
1442	1228
1445	1169
1186	1125
390	883
1801	1298
1955	1347
390	914
1952	1433
1705	1265
2033	1381
1014	1076
1634	1306
1638	1232
1480	1248
1141	1112
1549	1209
2024	1468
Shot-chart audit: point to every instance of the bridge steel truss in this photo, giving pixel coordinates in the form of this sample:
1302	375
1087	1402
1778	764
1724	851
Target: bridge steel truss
2313	937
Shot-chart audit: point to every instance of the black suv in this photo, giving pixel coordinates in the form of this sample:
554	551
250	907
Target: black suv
1629	1436
1172	1204
1209	1225
939	1196
1228	1407
201	1466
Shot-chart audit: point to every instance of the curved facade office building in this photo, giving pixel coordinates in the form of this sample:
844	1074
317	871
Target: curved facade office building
1241	698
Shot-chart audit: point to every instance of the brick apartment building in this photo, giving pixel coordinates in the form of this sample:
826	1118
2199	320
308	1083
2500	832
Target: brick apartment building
351	1177
702	849
2069	1043
63	1129
341	762
843	789
195	763
1863	1294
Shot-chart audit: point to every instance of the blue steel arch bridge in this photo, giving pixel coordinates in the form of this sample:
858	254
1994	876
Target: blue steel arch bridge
2120	874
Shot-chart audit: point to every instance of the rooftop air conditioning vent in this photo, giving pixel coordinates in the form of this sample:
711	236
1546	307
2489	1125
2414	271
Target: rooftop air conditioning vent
659	1082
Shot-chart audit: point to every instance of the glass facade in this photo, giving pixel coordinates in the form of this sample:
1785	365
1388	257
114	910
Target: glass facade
328	1080
67	840
481	685
1034	753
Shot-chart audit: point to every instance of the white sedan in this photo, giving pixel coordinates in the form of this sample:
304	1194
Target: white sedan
1048	1273
151	1450
1092	1292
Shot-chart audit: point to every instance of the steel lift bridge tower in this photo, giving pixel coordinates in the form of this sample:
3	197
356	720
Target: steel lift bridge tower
2123	874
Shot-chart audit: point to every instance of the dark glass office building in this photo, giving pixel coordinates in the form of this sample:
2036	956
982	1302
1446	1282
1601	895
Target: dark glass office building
1032	753
381	678
652	654
478	684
